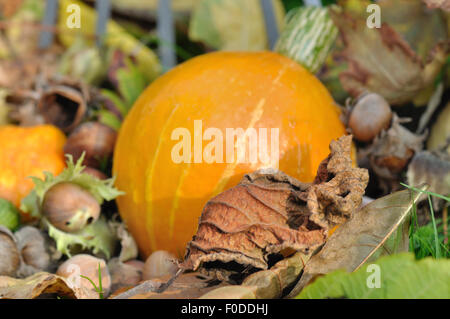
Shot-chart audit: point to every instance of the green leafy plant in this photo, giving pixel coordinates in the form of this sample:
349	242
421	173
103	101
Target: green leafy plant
401	276
9	216
428	240
99	288
131	83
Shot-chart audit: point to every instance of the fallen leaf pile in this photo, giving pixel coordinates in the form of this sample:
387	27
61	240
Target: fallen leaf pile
269	212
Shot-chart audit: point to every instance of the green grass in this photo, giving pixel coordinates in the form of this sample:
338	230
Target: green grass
99	288
428	240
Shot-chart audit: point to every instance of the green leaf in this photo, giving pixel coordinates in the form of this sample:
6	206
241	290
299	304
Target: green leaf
97	237
110	119
116	100
401	277
131	83
308	37
9	216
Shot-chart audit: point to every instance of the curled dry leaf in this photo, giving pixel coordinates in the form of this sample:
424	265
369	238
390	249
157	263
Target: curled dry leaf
264	284
380	60
376	229
269	212
41	285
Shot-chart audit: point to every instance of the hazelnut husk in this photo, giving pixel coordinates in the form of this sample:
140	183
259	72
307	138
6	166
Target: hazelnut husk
69	207
9	253
370	115
63	106
32	246
85	265
95	139
159	264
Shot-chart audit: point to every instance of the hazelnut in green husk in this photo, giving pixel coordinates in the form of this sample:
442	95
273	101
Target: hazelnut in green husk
69	208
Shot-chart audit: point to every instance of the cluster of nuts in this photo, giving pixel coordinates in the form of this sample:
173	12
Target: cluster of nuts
116	274
26	252
23	253
390	145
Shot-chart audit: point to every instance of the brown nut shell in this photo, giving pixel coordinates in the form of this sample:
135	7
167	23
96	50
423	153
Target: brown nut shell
69	207
85	265
9	254
369	117
95	139
159	264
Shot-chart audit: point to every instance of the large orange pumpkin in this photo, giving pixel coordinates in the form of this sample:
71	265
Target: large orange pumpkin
25	152
225	90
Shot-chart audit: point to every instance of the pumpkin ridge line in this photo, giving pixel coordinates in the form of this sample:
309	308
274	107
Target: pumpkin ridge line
148	184
228	172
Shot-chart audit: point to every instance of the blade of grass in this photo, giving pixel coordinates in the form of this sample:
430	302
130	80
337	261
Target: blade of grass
98	289
436	239
427	192
100	292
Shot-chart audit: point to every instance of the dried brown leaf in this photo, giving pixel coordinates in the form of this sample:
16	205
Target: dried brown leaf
380	60
365	236
264	284
186	286
41	285
268	212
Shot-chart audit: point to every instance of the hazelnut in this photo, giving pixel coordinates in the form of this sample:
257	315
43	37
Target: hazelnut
125	274
159	264
69	207
95	139
9	254
85	265
370	115
94	172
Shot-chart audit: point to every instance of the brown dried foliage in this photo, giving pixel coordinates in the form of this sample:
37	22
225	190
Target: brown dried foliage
269	212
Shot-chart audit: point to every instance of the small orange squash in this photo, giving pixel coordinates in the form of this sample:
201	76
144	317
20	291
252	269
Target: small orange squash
25	152
163	198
